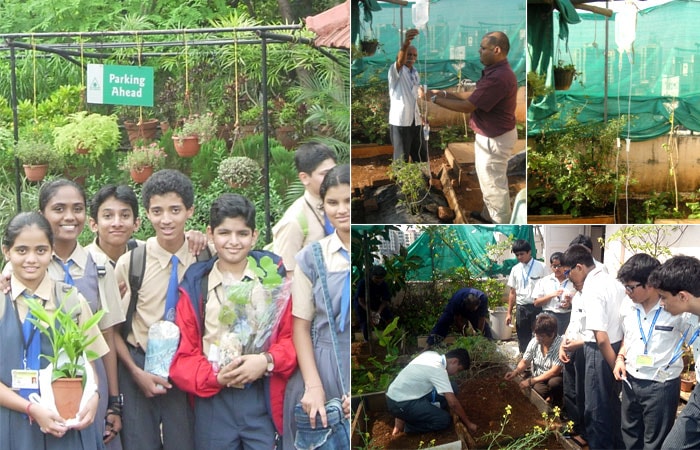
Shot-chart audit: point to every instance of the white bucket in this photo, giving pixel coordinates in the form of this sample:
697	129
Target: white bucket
499	329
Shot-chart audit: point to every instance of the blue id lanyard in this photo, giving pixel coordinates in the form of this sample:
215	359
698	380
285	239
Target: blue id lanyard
647	338
527	277
677	351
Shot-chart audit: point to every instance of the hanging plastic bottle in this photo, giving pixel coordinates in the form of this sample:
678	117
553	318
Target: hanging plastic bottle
426	131
421	13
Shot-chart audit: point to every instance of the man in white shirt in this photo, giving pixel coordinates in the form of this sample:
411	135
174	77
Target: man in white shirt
602	296
404	117
420	395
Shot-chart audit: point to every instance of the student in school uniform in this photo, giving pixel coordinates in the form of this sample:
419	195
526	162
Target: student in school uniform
324	371
156	413
63	203
241	403
678	283
304	221
553	293
601	295
114	218
650	384
24	425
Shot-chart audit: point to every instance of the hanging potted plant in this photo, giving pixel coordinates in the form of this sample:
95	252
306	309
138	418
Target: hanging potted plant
70	339
143	160
536	86
239	171
564	75
37	158
287	117
93	134
194	132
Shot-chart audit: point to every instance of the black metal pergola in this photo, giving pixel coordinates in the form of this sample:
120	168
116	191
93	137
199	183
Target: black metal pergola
100	49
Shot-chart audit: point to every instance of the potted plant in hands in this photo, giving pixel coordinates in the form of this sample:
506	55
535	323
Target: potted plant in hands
239	171
70	340
37	156
195	131
143	160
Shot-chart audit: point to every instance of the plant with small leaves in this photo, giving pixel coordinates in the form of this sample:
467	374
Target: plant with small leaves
151	155
202	125
409	179
240	170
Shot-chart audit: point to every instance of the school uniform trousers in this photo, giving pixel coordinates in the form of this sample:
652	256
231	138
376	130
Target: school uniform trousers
685	433
602	410
575	390
421	415
649	413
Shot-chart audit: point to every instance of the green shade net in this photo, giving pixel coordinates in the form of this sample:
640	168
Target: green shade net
449	51
666	52
475	238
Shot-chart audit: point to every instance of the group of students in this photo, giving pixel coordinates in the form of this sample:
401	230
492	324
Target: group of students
619	356
196	405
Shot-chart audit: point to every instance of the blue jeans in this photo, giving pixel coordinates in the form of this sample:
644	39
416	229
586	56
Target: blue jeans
335	437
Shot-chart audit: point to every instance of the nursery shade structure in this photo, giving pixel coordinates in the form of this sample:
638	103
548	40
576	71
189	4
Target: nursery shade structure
448	51
442	256
665	69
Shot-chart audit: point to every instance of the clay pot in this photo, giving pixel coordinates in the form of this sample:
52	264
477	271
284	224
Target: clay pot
35	172
140	176
145	130
687	381
186	146
67	393
563	79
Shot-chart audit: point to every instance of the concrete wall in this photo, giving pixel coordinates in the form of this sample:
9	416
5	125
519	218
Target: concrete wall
648	162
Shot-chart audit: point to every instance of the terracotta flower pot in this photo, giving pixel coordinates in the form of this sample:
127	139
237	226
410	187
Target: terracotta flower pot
687	381
67	393
35	172
141	175
186	146
146	130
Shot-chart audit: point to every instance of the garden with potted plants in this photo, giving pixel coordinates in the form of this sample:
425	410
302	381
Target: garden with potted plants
195	94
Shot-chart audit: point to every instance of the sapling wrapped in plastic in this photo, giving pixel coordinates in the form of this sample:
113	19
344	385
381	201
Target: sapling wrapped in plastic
251	313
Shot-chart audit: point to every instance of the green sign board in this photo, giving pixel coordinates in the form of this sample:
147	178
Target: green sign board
120	85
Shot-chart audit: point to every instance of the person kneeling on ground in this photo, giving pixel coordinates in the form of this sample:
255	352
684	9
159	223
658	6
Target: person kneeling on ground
420	395
543	353
467	306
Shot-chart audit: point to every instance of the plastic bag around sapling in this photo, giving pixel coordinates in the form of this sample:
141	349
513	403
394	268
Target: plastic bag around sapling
163	339
250	317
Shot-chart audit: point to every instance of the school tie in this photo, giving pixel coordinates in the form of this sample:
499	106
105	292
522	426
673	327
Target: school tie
328	227
67	278
32	345
345	298
171	296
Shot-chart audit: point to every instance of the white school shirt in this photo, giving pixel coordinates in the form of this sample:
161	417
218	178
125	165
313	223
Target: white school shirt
602	297
550	284
403	93
667	331
427	370
523	278
577	323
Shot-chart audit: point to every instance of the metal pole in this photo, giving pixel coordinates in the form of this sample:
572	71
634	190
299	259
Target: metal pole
15	124
605	77
266	142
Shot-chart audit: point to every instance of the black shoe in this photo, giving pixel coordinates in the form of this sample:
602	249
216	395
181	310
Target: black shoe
477	216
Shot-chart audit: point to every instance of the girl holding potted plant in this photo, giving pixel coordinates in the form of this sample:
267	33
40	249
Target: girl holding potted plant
62	202
26	425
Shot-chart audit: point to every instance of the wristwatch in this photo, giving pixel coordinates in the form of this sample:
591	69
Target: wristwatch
433	98
270	363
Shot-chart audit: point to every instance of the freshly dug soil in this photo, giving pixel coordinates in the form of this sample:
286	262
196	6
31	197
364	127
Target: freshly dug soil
484	400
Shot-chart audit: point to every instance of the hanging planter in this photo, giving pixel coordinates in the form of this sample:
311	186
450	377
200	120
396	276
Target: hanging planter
35	172
564	75
145	130
186	146
140	176
369	47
